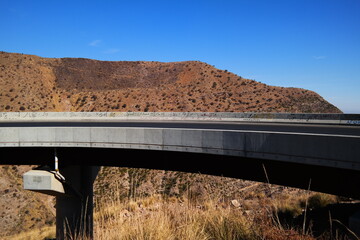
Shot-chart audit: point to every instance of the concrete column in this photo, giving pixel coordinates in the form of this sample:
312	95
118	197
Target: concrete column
354	223
74	211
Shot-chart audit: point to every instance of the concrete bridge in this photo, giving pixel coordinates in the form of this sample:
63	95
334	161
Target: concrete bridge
286	149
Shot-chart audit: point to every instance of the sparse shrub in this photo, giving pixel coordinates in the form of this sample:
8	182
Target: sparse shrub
288	210
320	200
228	226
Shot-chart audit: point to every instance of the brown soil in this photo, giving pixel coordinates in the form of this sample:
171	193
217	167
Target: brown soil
31	83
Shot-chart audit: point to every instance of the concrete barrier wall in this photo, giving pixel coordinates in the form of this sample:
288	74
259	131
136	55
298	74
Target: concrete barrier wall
317	149
349	119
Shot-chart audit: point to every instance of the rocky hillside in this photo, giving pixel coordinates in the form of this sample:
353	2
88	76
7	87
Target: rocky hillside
31	83
22	210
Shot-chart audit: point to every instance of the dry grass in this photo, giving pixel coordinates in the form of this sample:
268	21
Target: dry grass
162	218
36	234
156	218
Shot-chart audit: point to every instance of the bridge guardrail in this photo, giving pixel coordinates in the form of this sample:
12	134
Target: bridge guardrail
339	119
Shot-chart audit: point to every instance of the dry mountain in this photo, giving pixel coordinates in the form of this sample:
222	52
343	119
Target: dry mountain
31	83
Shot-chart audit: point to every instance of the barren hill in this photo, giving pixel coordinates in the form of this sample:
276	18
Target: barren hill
31	83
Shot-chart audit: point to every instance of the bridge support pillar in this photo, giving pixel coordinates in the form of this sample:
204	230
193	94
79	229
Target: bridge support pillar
74	211
354	223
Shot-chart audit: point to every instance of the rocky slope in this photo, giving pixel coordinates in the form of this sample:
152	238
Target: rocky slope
31	83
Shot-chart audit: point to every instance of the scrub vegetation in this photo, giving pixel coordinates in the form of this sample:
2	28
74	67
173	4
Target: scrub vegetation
160	217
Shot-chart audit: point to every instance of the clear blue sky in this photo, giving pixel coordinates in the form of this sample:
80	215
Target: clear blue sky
312	44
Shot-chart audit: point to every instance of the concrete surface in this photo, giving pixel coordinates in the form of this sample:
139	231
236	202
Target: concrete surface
43	182
323	149
348	119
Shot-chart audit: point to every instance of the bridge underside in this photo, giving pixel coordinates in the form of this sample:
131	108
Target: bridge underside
323	179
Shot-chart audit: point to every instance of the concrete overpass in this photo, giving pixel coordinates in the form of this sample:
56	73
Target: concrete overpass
292	148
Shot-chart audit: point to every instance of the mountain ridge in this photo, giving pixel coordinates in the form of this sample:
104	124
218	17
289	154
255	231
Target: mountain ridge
71	84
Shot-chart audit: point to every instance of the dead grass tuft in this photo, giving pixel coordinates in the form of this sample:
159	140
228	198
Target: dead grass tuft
36	234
